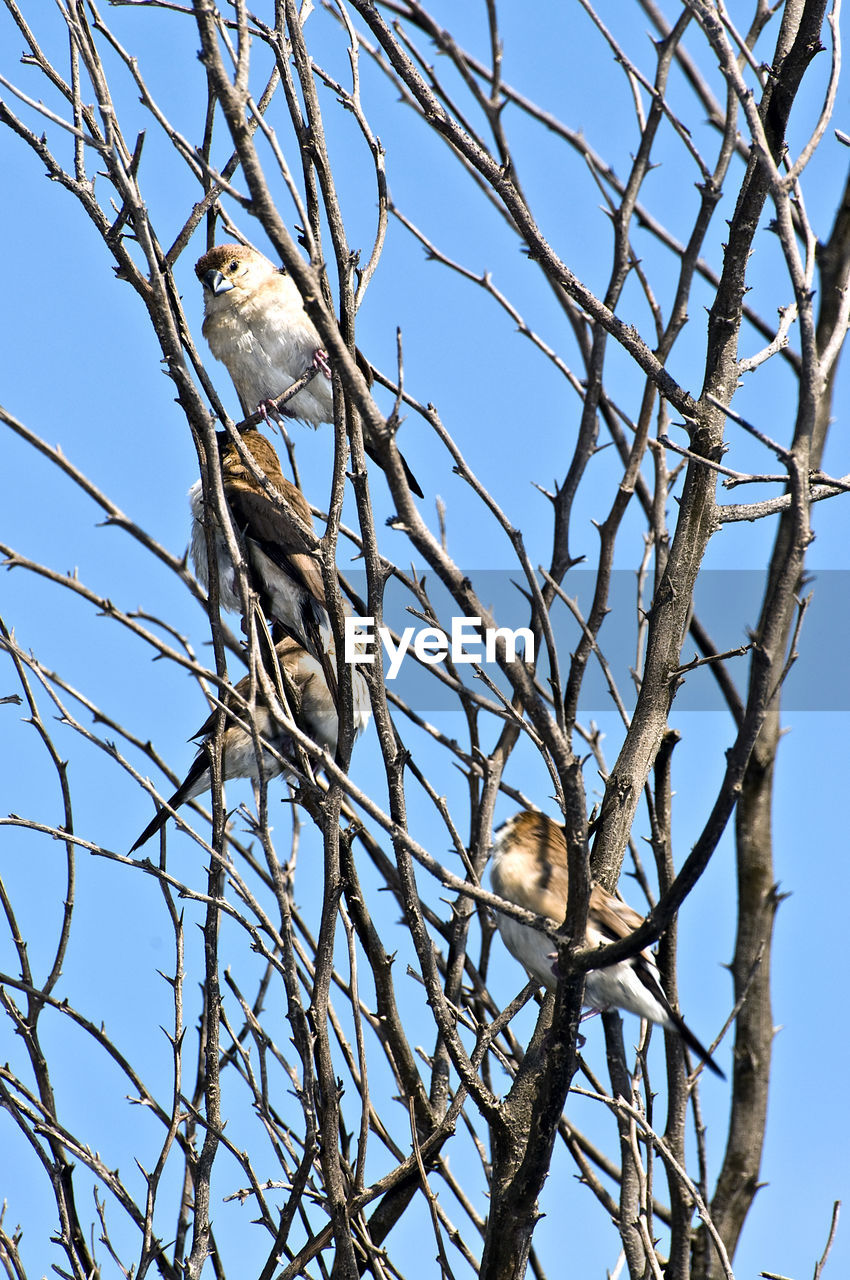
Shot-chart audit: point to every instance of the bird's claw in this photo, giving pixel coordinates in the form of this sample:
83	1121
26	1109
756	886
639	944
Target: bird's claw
321	362
269	412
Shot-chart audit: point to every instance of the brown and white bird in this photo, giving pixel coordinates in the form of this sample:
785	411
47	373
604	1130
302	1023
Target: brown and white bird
317	717
529	868
256	325
281	568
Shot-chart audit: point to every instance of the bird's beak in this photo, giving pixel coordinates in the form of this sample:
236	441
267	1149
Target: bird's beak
215	281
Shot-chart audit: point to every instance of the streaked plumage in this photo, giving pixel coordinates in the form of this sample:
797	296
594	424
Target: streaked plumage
529	868
285	575
257	327
317	717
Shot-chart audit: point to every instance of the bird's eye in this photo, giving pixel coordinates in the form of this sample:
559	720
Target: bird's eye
233	265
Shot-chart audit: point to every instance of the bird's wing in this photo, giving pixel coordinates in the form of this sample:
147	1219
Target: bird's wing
208	727
612	918
279	538
609	920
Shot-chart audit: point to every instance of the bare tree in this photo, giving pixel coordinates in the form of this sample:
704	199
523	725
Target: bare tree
294	1081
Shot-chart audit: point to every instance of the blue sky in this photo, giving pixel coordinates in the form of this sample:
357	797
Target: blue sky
80	367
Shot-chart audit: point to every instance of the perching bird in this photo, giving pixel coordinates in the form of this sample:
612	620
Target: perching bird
255	323
317	717
285	575
529	868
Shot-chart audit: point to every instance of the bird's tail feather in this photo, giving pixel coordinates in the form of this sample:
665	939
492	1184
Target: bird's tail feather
693	1044
412	483
318	639
185	791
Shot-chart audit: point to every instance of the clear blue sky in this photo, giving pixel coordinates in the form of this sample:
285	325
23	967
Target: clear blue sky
80	368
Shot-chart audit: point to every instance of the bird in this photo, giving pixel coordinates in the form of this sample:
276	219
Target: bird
317	716
256	325
529	869
281	568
